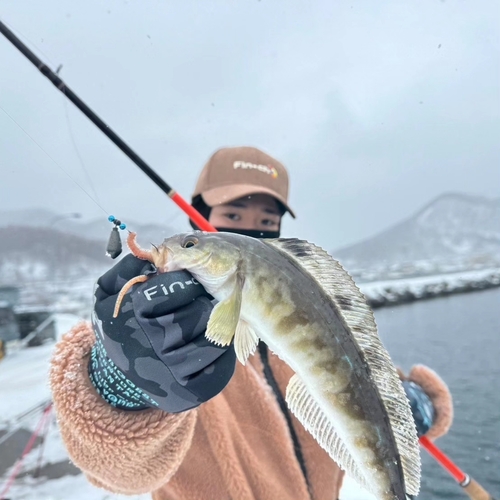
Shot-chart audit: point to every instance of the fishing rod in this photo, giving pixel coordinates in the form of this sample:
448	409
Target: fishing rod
192	213
473	489
470	486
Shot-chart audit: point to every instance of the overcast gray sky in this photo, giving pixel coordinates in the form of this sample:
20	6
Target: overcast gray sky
374	107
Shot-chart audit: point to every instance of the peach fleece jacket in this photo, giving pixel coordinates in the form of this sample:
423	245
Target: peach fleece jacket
236	446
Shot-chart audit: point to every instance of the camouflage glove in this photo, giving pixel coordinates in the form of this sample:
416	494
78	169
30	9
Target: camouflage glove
421	407
430	401
155	354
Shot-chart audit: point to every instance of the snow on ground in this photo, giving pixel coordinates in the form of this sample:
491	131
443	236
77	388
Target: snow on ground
24	373
65	488
24	384
59	296
389	292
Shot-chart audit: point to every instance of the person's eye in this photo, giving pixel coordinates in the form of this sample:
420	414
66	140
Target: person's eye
233	217
269	222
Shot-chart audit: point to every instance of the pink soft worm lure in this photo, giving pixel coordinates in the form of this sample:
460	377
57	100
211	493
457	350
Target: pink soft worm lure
141	254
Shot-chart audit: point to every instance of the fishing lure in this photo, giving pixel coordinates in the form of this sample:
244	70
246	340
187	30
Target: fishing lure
140	253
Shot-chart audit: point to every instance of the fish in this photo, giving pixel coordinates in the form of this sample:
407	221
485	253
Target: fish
299	300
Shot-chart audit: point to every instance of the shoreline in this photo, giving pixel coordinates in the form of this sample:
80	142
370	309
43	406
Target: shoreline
404	291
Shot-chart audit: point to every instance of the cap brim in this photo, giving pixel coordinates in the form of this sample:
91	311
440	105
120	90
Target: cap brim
226	194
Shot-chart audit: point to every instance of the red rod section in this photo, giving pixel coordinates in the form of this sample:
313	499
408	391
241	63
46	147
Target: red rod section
443	459
103	127
193	214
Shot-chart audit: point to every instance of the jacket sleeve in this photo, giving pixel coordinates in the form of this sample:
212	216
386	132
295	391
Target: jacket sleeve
127	452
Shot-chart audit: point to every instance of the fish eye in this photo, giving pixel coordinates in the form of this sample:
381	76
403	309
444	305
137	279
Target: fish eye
189	241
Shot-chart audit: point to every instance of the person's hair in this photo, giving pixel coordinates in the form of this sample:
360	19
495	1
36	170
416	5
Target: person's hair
205	210
202	207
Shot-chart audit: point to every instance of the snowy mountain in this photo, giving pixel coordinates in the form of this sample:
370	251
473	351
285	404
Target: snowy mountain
55	259
29	254
455	232
452	233
49	266
95	229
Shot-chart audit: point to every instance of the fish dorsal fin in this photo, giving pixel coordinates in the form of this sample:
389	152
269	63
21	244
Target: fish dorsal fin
352	307
309	413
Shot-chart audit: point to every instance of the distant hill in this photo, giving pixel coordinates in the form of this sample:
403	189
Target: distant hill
453	232
32	254
96	229
42	245
55	259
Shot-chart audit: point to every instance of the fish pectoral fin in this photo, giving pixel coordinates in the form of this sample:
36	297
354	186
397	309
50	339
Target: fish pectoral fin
316	422
224	319
245	341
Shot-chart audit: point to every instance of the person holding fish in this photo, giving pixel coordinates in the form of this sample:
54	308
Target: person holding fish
239	365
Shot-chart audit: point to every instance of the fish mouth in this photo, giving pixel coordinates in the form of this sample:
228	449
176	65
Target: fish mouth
163	261
166	262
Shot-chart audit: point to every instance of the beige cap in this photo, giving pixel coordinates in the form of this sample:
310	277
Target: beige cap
232	173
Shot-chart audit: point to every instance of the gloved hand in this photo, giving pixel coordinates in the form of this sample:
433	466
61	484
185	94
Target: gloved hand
155	354
430	401
422	408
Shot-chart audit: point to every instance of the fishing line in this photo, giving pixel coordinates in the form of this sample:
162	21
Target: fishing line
54	161
77	151
114	246
70	130
54	78
29	41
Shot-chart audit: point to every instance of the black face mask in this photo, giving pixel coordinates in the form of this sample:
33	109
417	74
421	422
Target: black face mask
253	233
